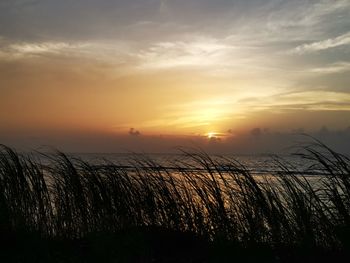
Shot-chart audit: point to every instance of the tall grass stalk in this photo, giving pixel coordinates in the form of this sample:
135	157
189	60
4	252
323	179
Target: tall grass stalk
217	199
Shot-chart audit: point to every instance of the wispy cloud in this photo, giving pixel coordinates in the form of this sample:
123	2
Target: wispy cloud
321	9
304	100
200	53
204	114
163	6
302	20
338	67
37	48
19	50
114	53
324	44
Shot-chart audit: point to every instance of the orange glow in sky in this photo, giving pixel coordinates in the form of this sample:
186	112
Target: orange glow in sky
177	68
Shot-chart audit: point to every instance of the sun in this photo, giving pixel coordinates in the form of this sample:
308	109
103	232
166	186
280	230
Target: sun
211	135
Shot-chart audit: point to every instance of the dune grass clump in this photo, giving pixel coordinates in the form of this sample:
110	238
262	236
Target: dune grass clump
215	208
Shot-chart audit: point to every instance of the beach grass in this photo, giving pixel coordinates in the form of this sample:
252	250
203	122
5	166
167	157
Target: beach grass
198	209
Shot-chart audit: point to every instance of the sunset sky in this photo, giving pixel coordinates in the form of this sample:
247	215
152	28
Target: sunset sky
81	74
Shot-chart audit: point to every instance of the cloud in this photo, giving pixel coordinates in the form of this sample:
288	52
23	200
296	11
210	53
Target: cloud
163	7
114	53
338	67
302	100
256	132
22	50
37	48
134	132
200	53
324	44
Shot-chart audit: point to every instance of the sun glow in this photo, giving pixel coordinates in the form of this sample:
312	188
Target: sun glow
211	135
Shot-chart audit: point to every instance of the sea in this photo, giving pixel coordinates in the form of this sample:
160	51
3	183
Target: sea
256	164
264	166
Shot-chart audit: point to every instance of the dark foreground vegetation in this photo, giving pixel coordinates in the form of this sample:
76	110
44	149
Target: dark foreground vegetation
198	210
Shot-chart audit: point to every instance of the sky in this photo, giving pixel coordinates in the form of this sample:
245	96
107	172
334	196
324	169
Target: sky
149	75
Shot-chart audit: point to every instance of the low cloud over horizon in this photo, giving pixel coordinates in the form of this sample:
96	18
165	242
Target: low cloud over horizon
255	141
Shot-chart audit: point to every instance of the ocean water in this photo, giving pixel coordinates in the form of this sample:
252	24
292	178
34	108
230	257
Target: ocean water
259	164
262	167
